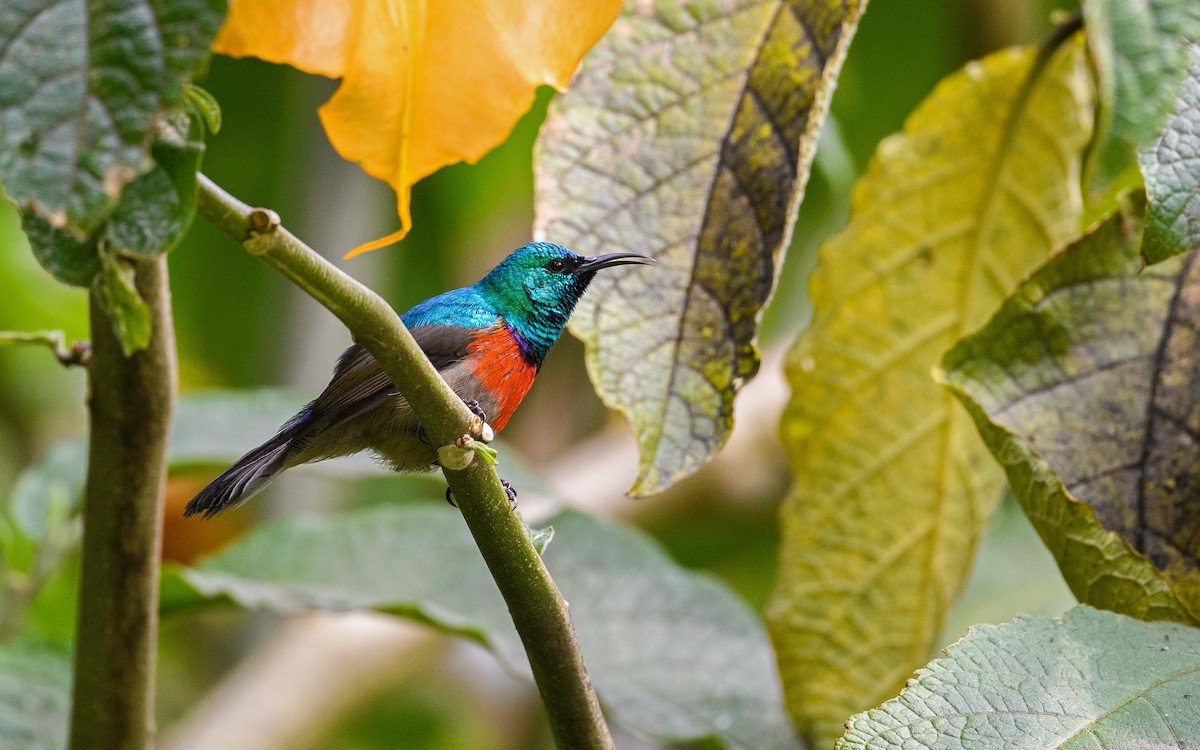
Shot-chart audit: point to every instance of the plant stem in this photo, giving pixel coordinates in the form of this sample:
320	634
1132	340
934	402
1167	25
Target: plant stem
130	402
534	602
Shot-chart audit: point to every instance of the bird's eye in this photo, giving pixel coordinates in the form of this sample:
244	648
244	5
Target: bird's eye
557	265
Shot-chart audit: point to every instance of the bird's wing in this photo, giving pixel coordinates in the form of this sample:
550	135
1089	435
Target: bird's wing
444	345
360	384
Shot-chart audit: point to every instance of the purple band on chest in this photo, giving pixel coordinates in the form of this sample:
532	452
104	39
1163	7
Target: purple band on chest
527	352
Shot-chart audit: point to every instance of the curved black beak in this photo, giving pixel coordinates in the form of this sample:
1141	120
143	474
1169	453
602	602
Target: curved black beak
590	265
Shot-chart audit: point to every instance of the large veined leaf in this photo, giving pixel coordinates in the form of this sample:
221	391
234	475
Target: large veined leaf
35	696
1140	50
66	258
81	88
1171	167
1091	679
1084	386
688	135
153	214
216	427
892	486
424	84
671	654
157	208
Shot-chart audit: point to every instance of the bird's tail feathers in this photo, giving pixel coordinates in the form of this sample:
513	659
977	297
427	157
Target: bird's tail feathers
245	479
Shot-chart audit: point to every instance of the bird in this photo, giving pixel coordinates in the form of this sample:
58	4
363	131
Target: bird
487	341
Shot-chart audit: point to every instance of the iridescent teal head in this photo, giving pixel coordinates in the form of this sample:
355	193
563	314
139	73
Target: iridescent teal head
536	288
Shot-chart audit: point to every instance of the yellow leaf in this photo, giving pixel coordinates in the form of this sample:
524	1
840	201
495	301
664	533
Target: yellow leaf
424	84
306	34
892	483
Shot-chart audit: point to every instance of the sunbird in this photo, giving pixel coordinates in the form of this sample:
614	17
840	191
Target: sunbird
487	340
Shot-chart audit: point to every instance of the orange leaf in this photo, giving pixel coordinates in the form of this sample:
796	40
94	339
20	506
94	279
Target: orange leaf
306	34
424	84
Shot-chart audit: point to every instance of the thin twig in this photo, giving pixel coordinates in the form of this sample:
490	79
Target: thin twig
79	353
537	608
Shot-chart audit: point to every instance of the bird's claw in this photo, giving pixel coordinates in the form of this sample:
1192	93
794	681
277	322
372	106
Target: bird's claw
482	430
474	407
509	490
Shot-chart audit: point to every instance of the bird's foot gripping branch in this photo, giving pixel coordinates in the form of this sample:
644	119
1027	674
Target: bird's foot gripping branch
458	455
537	608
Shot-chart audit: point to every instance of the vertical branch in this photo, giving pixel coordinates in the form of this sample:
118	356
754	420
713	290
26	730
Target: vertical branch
130	404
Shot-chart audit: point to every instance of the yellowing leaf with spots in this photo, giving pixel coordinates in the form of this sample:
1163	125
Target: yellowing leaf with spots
892	485
1084	387
424	84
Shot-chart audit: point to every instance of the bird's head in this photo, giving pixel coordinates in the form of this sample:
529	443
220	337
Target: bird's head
538	285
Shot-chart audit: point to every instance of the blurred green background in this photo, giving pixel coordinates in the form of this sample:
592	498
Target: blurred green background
240	325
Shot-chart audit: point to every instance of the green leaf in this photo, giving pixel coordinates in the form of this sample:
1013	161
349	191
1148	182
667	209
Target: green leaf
50	489
540	537
892	486
216	427
1090	679
126	311
209	429
153	214
1171	167
157	209
671	654
52	612
81	88
35	693
1140	51
205	107
70	260
688	135
1084	387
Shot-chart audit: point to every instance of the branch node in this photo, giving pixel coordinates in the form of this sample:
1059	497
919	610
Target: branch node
455	457
80	354
480	430
263	220
263	223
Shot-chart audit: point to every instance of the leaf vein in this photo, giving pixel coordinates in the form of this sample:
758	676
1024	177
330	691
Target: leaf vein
681	331
1160	363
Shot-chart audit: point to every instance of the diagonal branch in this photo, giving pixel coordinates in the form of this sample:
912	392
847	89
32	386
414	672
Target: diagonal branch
537	608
